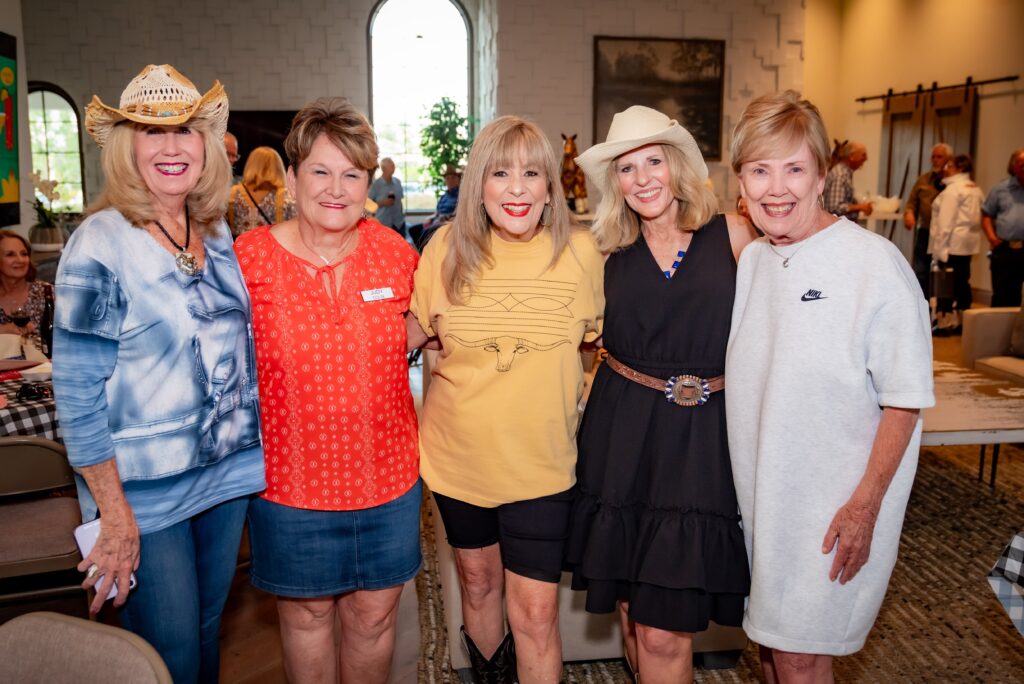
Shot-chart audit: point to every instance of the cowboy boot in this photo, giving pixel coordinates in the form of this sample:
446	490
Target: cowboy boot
483	669
504	661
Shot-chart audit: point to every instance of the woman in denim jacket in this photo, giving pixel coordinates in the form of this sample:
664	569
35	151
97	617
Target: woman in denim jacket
154	371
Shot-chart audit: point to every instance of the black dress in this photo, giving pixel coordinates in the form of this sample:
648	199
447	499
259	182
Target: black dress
655	520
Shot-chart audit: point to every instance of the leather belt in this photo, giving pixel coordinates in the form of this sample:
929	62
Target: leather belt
684	390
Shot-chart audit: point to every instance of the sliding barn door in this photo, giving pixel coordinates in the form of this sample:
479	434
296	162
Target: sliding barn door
902	123
950	118
911	126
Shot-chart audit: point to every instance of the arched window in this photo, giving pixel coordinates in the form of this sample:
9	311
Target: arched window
56	132
419	53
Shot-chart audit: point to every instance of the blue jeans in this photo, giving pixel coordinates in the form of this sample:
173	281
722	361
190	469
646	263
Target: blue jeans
183	582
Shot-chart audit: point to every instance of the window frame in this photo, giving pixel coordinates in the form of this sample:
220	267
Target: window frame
470	70
471	104
53	88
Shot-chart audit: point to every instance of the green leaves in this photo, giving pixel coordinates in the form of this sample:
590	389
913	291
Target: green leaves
445	140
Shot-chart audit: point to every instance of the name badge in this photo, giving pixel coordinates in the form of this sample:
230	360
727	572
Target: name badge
377	294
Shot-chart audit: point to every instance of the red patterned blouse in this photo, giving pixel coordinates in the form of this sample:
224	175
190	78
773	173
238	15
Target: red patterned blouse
339	425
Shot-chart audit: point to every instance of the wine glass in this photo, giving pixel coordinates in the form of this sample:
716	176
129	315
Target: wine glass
20	317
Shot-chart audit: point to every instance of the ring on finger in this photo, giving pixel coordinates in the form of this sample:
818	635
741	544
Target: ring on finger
92	571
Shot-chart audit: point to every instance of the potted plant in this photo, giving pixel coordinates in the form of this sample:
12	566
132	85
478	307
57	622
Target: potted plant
445	140
46	235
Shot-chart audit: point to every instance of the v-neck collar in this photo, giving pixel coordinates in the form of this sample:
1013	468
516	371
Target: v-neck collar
654	262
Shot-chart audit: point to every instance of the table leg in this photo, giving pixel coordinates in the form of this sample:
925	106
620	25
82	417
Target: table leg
995	464
981	464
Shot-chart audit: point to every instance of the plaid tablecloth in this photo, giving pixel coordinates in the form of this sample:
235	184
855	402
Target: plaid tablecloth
1007	580
31	418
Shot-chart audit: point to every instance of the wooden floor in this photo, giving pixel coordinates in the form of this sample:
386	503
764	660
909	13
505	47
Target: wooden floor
251	646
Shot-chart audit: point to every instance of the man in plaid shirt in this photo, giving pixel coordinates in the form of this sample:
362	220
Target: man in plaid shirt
839	198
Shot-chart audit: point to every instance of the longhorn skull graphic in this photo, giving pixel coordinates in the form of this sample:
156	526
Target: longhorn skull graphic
507	347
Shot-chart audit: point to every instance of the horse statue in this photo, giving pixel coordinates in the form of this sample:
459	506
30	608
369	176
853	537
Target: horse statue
574	182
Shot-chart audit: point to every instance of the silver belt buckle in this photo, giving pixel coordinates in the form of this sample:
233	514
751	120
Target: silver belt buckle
687	390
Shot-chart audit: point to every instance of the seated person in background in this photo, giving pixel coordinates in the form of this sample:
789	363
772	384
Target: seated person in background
445	212
386	191
20	292
839	197
261	199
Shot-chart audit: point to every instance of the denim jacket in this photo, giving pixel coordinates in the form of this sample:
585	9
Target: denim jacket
182	393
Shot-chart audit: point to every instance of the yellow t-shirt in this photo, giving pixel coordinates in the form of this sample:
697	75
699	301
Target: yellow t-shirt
499	422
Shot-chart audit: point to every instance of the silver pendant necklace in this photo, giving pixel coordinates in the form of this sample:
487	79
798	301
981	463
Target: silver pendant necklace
327	262
184	260
785	259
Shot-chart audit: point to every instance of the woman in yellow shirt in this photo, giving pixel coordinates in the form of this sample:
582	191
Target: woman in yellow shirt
510	288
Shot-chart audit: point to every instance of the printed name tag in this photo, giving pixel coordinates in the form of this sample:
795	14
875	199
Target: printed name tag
377	294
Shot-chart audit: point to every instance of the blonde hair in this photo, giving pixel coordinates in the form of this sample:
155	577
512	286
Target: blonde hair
126	191
345	127
263	169
617	226
502	143
777	124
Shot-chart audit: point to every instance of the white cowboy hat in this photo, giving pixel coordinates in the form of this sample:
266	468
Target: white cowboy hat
636	127
159	95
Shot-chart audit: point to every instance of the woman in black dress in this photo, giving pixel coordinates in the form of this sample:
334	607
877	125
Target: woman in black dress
655	527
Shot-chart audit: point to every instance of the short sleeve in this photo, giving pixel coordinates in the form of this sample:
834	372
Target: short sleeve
899	343
407	258
426	279
593	280
991	204
375	191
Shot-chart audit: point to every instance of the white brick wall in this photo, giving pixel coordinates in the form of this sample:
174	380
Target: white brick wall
533	57
545	56
269	54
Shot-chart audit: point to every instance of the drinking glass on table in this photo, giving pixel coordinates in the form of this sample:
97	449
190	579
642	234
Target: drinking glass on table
21	317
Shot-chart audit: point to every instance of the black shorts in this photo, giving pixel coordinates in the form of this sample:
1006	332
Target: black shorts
530	534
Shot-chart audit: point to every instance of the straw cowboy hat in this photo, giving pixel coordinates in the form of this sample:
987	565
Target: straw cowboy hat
162	96
636	127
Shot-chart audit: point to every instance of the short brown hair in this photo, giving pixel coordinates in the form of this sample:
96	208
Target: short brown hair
343	124
777	124
1013	158
963	163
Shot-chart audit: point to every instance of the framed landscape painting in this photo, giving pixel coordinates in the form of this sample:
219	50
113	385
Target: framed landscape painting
682	78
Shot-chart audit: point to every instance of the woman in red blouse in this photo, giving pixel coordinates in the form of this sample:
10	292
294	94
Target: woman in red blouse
336	533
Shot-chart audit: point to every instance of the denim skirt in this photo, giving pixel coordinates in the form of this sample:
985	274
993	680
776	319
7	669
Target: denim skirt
301	553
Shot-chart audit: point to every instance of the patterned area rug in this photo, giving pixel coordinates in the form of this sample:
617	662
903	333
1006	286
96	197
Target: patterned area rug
940	621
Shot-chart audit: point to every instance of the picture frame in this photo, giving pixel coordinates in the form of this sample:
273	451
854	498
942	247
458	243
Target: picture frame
681	77
10	174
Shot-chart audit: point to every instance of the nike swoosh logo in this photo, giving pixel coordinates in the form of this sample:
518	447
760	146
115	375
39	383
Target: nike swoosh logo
811	295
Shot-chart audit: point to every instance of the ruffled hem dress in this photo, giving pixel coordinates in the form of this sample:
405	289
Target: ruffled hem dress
655	519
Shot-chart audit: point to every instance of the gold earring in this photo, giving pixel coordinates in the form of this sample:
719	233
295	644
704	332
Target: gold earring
545	215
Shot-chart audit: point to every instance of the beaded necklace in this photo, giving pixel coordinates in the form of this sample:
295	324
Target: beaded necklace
675	264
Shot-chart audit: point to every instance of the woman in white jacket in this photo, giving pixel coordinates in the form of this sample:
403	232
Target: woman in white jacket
956	230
